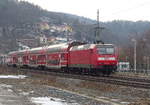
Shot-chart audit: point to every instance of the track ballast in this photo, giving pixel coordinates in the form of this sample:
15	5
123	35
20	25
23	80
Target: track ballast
116	80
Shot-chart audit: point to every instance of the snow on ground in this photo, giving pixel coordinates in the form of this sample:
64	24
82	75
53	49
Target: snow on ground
48	101
13	76
26	93
6	86
9	90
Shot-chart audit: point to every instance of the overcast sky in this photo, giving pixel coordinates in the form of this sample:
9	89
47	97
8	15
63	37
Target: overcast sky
109	9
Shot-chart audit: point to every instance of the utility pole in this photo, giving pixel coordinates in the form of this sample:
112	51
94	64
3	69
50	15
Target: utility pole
97	30
147	68
134	54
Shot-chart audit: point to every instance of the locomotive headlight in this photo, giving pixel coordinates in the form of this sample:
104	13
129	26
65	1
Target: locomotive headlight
112	58
101	58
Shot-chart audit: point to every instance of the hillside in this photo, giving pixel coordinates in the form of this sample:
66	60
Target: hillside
21	20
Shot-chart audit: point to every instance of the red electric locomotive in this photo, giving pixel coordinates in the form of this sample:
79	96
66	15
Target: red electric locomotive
97	58
78	57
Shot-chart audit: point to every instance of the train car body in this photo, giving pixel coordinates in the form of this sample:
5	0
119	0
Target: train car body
57	56
54	56
37	57
25	58
12	58
69	56
93	57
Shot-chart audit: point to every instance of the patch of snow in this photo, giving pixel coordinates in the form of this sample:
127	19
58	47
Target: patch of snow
59	38
48	101
6	86
103	97
13	76
115	99
125	103
25	93
19	90
31	92
9	90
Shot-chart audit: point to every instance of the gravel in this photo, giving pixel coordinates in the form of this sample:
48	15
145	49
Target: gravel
74	91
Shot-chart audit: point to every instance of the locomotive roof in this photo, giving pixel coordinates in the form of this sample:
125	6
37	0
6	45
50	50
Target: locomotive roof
87	46
58	45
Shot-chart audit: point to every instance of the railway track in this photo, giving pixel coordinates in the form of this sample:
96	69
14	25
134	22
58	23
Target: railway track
124	81
145	80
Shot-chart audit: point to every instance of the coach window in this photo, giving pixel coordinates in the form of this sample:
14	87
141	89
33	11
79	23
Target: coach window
41	57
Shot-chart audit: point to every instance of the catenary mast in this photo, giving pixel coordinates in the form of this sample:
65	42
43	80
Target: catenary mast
97	30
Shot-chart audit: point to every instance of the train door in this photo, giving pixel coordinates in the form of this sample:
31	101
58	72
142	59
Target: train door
32	60
25	60
64	59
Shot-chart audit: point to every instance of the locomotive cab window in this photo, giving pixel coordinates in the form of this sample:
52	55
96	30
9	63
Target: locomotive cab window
105	50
